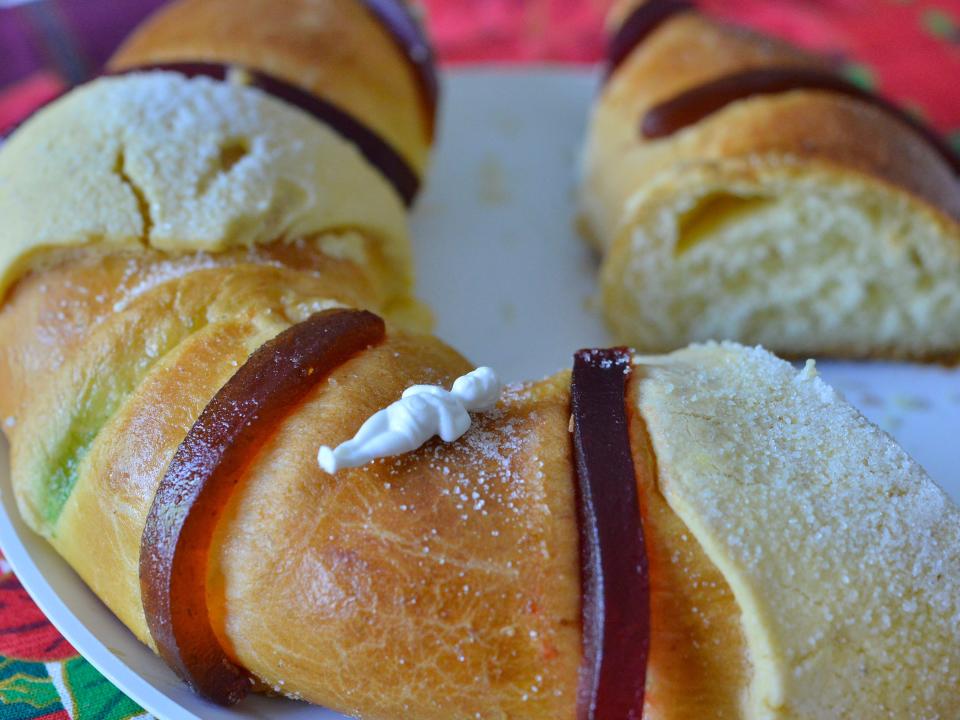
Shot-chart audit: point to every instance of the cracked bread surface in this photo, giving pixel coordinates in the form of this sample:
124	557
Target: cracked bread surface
182	165
335	49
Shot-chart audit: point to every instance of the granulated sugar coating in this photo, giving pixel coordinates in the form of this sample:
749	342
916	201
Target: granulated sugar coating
158	160
844	556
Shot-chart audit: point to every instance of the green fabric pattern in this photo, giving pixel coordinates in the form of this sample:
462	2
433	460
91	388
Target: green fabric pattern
25	689
28	692
861	75
939	24
94	697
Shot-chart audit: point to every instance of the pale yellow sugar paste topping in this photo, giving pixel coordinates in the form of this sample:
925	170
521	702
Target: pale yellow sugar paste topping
843	555
185	164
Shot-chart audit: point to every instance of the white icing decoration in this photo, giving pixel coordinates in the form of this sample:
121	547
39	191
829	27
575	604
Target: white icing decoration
422	412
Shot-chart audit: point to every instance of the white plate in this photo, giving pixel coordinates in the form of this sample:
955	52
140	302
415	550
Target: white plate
511	285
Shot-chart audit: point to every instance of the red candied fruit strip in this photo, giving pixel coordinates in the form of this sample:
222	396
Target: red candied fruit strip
205	471
698	102
614	576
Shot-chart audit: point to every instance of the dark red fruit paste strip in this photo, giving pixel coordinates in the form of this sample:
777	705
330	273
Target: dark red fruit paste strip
615	584
205	471
696	103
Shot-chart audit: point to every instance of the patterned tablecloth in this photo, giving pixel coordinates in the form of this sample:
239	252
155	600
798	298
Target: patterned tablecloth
906	49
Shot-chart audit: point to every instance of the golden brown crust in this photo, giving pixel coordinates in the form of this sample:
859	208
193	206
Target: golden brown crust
52	310
404	573
684	51
690	49
443	583
447	577
336	49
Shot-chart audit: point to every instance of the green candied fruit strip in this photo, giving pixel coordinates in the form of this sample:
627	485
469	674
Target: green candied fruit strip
93	410
59	463
940	24
64	476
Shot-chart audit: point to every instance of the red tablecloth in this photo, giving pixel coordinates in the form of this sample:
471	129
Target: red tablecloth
906	49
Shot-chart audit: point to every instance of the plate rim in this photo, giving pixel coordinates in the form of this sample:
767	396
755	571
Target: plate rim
57	613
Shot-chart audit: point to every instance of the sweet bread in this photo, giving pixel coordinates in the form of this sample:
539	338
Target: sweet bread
205	282
738	189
